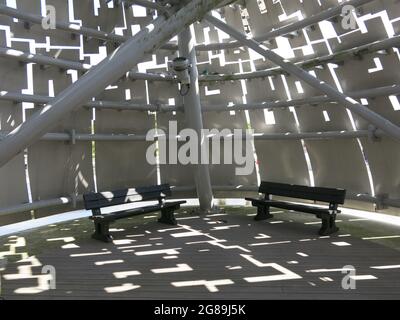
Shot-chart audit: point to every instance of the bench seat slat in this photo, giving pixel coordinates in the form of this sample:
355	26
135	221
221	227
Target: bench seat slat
135	211
291	206
104	202
97	201
332	196
303	192
164	188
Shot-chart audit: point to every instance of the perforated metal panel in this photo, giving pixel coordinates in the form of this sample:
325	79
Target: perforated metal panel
64	168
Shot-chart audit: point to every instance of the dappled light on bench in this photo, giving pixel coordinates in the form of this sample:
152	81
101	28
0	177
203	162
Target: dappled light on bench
328	215
96	201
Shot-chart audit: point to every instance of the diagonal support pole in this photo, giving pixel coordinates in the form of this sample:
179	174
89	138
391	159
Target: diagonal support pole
108	71
380	122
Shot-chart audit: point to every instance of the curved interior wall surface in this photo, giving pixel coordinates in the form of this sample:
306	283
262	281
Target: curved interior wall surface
59	168
13	188
336	162
279	161
123	164
224	173
63	168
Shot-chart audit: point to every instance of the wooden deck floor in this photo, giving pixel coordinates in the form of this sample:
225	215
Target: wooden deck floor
226	256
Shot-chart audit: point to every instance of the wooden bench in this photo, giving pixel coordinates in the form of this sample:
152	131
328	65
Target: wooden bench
330	195
96	201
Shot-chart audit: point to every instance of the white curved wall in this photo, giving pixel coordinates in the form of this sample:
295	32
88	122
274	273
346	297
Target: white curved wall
61	169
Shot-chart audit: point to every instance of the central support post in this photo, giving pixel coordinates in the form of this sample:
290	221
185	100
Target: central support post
194	119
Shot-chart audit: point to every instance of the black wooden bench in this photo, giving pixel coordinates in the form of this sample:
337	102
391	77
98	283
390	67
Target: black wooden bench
96	201
330	195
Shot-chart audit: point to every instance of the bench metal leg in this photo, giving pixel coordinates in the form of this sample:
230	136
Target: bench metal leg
102	232
167	216
328	225
263	213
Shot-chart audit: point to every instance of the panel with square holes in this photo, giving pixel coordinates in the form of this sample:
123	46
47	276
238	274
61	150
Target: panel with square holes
62	168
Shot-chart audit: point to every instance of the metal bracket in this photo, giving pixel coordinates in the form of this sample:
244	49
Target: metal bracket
372	134
159	107
381	199
358	55
72	134
74	200
168	12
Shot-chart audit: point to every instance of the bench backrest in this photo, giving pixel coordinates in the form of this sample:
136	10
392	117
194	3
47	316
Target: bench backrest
331	195
123	196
